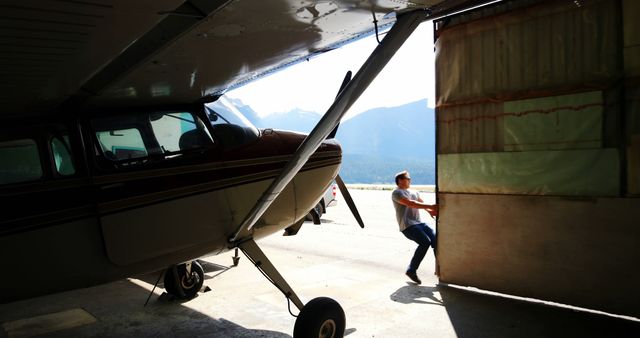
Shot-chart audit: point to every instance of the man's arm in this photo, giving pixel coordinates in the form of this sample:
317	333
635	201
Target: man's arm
432	209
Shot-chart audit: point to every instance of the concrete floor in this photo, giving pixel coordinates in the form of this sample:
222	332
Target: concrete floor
361	269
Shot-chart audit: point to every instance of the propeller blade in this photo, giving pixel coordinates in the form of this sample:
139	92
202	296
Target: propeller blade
345	81
349	200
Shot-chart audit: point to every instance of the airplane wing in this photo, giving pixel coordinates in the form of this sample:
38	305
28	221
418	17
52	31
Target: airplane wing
59	56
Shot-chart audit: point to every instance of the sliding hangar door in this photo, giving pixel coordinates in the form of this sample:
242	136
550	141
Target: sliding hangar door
538	142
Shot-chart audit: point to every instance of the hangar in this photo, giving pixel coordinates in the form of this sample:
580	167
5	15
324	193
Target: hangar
538	166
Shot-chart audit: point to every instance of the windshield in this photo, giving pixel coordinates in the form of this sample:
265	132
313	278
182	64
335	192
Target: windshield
230	127
222	111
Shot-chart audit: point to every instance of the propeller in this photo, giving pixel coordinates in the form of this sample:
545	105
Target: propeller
343	188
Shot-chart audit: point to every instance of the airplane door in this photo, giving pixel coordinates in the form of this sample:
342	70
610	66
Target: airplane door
157	199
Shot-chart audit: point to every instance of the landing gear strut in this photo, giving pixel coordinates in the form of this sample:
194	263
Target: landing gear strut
184	280
321	317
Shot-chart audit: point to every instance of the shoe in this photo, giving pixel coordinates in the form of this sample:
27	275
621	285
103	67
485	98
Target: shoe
414	277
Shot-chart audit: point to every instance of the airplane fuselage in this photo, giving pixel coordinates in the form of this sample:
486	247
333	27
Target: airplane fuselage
93	209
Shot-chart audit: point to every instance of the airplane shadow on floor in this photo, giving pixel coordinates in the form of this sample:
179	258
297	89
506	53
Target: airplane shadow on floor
171	318
120	312
479	315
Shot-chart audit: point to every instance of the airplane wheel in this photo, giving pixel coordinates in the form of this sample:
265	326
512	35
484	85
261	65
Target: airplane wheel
188	284
322	317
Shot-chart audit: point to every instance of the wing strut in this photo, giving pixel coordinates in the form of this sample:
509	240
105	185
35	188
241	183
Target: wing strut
398	34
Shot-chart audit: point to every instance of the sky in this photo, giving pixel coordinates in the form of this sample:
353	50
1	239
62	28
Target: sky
312	85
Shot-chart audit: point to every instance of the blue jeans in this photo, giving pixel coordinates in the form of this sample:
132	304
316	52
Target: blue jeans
424	236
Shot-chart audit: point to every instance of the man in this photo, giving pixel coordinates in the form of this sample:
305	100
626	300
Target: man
408	204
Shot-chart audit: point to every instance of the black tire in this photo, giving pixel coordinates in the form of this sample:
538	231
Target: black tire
322	317
186	287
169	284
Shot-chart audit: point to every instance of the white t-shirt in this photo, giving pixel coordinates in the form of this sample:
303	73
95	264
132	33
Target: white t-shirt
406	216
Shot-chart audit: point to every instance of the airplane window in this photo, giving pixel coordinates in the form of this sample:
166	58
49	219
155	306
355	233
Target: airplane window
122	144
129	139
62	156
177	131
20	161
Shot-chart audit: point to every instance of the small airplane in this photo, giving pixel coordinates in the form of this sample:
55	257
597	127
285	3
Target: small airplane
120	155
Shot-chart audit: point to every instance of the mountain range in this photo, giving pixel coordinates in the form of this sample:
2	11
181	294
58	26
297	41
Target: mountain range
376	143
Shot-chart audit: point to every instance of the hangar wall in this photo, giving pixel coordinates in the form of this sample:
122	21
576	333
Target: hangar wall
538	131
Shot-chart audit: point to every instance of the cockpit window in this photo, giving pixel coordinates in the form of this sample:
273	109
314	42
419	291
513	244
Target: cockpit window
179	131
122	144
230	127
133	138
